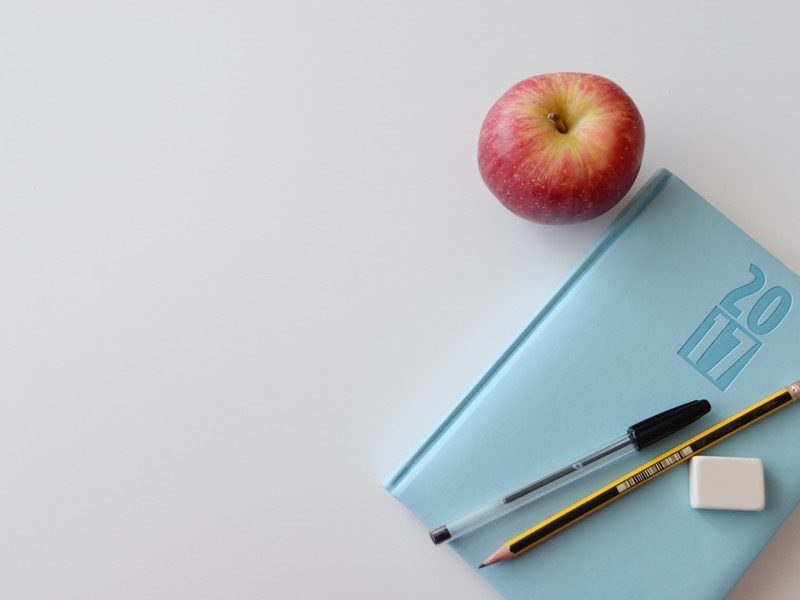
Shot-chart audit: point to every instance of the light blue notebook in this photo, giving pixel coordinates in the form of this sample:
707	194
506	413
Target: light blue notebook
674	303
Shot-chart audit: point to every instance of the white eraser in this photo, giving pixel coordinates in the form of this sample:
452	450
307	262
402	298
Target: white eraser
726	483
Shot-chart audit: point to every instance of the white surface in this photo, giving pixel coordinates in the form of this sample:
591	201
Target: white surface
248	261
726	483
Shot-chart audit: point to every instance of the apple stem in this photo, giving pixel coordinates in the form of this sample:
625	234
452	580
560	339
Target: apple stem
556	118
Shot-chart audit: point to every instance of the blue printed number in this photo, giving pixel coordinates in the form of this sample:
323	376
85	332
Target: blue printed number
720	348
768	311
776	299
729	301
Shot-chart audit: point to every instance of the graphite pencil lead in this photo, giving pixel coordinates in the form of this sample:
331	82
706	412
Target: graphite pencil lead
480	566
502	553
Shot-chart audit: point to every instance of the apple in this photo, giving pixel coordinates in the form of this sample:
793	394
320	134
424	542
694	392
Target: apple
562	147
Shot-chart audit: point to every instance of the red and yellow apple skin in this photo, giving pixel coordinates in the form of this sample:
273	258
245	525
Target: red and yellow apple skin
561	148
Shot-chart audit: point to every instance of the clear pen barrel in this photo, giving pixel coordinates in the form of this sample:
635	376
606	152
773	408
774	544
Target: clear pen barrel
501	506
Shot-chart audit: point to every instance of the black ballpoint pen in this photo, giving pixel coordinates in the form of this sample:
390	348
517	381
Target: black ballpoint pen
639	436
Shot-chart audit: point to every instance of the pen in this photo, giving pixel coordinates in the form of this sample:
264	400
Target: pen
638	436
641	475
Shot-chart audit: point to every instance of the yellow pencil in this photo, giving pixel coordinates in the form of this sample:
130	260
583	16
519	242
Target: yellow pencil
641	475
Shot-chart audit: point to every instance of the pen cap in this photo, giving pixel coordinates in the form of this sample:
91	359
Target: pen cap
659	426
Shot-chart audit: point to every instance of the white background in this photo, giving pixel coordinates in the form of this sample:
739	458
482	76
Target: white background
247	262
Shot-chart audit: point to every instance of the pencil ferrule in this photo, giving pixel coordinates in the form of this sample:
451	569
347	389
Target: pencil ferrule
794	390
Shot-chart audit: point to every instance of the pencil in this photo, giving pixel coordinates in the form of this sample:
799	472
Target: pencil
641	475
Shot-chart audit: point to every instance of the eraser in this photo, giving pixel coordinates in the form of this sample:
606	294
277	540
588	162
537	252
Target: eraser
726	483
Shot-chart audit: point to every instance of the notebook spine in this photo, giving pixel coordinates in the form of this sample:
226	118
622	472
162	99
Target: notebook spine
393	483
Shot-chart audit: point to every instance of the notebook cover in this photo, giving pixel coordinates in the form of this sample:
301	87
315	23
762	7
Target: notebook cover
673	303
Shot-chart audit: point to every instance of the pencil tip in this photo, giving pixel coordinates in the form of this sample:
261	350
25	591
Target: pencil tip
480	566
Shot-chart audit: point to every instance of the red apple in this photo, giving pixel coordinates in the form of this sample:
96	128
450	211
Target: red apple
561	148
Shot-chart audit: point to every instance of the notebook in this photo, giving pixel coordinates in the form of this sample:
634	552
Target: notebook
673	303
